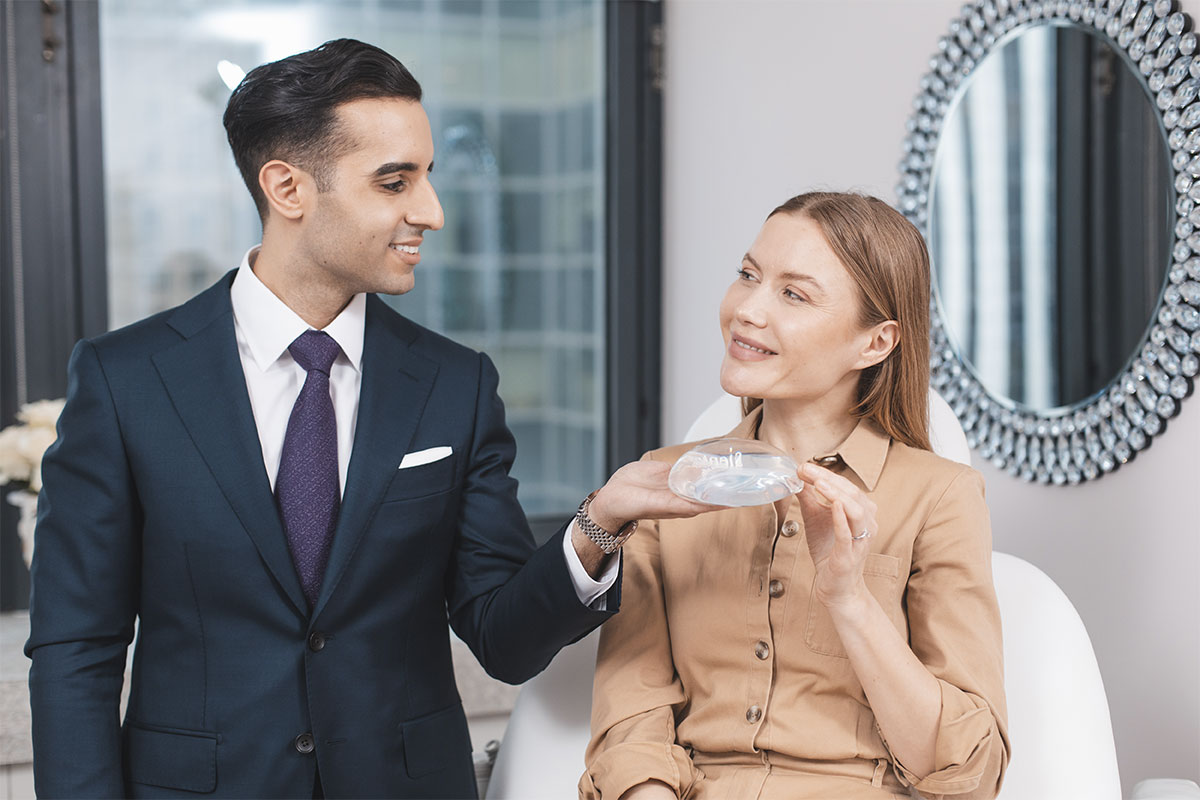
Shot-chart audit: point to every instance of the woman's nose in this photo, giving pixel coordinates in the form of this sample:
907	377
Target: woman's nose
750	311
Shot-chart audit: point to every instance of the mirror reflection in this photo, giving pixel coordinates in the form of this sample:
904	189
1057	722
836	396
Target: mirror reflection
1051	213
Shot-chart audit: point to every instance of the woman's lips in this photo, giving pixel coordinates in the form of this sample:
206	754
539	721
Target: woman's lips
747	349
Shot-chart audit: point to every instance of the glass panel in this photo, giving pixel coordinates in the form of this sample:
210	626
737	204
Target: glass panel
515	95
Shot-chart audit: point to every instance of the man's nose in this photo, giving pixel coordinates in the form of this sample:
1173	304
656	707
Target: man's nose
427	211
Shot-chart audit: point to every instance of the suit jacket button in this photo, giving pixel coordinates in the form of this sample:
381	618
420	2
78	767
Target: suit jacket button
316	641
304	743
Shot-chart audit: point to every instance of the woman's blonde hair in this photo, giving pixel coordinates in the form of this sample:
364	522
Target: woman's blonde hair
887	258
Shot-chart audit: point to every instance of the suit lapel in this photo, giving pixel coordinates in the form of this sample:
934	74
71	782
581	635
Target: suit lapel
396	382
203	376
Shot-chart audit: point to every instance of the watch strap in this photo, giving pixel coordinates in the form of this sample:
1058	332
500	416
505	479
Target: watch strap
608	542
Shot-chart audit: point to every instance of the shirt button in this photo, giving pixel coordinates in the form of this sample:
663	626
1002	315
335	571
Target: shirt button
753	714
775	588
762	650
304	743
316	641
790	528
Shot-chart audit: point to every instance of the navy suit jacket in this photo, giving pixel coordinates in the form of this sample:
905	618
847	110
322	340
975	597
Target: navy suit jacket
157	507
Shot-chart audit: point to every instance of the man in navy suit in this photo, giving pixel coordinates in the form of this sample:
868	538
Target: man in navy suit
290	487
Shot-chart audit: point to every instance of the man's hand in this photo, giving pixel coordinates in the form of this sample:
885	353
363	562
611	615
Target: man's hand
635	491
639	491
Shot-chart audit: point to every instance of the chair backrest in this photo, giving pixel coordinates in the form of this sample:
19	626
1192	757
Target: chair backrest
1057	710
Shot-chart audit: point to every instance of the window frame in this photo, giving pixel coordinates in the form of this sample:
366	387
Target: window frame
58	126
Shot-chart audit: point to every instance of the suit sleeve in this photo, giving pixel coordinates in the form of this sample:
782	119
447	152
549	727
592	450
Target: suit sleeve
954	629
84	593
515	606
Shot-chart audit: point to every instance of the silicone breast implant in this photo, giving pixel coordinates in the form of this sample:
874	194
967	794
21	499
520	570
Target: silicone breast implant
734	472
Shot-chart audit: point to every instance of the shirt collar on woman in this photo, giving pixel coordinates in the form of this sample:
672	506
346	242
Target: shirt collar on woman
863	451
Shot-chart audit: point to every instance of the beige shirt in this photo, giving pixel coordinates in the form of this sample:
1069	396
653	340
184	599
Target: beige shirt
722	658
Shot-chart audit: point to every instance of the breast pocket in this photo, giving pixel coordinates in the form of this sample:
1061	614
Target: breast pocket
881	573
412	483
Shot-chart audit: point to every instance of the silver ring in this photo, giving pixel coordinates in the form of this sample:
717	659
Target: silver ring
861	536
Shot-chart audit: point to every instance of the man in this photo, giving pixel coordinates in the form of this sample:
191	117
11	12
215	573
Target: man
290	487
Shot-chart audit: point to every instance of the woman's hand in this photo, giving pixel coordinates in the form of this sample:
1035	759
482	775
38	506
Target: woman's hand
650	790
639	491
835	510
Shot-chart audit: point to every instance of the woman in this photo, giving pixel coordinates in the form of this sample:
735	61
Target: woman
844	642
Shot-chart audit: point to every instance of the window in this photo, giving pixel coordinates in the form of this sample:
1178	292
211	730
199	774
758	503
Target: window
515	93
117	183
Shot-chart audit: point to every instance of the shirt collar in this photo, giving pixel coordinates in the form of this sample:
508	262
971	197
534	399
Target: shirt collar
864	451
269	326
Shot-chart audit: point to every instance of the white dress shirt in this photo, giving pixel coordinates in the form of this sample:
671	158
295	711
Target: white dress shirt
265	326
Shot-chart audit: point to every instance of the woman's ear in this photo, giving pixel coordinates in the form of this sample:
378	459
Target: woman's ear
286	188
882	340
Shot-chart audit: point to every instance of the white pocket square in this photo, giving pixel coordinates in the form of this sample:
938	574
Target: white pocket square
420	457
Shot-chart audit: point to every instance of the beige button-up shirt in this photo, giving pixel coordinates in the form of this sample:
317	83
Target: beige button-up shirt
722	657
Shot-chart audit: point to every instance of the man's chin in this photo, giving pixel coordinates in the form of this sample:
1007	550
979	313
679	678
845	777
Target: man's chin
397	286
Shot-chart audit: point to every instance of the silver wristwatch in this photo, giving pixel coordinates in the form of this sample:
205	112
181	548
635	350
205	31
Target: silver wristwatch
608	542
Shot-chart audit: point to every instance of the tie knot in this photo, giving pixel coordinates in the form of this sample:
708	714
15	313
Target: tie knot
314	350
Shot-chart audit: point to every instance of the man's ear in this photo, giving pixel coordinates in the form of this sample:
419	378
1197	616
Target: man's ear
883	340
286	187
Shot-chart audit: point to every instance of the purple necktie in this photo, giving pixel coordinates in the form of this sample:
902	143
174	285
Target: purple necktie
307	485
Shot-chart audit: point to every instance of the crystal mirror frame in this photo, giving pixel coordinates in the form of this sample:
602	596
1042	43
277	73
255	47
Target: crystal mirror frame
1086	440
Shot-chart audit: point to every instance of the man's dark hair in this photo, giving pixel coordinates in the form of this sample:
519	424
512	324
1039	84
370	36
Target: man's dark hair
286	109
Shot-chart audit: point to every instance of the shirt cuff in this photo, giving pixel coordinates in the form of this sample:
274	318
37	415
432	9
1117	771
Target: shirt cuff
965	739
590	592
623	766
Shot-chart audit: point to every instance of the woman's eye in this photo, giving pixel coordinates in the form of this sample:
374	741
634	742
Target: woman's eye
790	295
744	275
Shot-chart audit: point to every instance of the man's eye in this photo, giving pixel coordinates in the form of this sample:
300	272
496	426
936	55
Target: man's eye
394	187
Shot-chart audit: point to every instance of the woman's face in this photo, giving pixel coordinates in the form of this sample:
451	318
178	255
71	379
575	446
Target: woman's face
790	319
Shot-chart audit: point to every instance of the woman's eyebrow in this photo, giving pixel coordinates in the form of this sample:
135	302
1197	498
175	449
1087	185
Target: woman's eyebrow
789	275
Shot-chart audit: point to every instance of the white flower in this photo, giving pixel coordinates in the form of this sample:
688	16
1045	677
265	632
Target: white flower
13	464
23	445
41	414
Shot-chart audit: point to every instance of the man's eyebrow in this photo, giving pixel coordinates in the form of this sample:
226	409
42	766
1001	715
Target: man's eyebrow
788	275
398	166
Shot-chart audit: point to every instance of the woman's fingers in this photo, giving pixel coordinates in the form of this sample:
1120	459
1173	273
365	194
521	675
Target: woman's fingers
811	473
856	510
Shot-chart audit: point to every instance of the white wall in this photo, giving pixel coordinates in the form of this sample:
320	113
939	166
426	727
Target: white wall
767	99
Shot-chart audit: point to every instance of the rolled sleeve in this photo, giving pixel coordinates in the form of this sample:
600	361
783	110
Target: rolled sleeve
954	629
623	766
636	691
965	751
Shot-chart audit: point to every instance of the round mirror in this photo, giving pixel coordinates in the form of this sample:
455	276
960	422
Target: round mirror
1050	216
1053	164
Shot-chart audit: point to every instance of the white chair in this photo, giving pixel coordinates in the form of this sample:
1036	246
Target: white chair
1057	710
